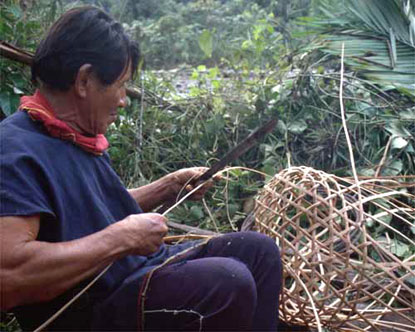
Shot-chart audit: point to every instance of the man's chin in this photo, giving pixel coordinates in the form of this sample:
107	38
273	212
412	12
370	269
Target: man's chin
102	131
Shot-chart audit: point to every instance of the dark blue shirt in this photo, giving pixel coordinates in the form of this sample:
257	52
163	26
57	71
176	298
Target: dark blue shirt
75	192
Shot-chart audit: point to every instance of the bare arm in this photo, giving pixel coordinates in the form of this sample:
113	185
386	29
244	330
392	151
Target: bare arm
34	271
153	194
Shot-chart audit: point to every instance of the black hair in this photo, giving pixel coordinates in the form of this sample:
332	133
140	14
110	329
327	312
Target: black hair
84	35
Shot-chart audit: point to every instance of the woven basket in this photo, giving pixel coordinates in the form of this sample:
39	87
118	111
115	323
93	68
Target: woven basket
337	272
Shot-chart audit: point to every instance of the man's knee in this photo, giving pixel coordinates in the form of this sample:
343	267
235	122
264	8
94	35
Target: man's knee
263	245
233	295
261	240
233	277
225	281
202	280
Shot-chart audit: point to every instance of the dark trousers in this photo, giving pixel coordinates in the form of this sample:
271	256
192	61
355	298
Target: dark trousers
233	284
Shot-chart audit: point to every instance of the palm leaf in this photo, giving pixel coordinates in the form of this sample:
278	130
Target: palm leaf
384	17
379	40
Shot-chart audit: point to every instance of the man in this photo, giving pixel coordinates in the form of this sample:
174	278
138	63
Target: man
65	215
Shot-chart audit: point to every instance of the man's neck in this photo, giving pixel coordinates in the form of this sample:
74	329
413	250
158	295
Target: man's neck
64	106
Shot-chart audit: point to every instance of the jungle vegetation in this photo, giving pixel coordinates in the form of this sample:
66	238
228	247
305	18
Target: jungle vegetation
214	70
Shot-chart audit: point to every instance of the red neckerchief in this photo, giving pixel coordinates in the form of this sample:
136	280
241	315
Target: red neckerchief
40	110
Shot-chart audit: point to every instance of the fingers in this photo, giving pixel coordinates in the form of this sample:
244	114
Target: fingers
186	180
153	216
192	174
217	177
143	233
197	172
205	186
159	223
200	193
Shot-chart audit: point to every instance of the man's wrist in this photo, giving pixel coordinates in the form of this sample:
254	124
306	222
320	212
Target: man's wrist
116	240
155	193
168	185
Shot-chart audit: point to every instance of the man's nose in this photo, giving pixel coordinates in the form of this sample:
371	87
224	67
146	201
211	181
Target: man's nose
123	99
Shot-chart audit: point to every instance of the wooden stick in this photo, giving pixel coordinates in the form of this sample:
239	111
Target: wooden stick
179	238
190	229
346	133
13	53
383	160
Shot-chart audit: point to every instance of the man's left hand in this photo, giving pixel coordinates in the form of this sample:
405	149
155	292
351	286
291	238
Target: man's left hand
169	187
185	180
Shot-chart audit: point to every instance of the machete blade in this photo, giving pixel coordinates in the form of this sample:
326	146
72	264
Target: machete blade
242	147
246	144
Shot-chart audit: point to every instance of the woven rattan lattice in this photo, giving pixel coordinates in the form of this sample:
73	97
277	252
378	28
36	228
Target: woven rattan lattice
344	268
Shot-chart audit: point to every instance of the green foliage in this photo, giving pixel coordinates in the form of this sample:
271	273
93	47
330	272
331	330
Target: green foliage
14	77
379	40
8	323
205	43
235	65
193	31
222	104
248	63
23	27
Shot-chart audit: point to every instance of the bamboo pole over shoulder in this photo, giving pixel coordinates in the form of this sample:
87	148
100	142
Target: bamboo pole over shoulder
13	53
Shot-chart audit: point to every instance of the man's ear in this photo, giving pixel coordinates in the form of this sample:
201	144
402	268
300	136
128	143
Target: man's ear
83	80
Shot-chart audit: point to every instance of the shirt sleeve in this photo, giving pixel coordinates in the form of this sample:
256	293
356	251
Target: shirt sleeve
24	186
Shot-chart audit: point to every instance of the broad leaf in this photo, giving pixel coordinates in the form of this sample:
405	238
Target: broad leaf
399	143
297	127
206	43
5	103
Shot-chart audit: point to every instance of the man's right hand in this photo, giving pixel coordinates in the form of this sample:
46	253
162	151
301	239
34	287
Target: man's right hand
141	234
38	271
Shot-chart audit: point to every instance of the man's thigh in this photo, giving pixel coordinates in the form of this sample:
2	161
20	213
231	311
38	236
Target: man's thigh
214	293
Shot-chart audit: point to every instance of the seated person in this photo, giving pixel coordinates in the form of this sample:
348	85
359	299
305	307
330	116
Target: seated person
65	215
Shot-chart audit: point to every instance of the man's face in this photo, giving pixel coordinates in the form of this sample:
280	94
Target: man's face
102	103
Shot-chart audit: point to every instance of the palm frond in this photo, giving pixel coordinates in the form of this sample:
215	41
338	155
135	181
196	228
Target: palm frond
379	40
387	17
